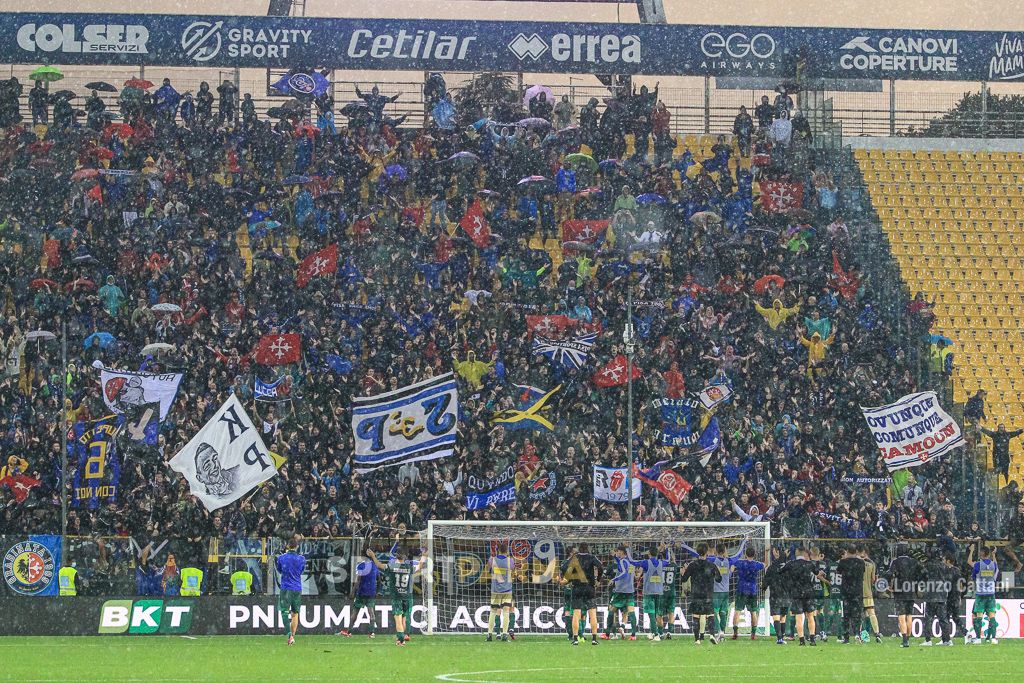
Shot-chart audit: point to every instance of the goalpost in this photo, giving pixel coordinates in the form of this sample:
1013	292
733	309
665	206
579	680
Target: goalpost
457	580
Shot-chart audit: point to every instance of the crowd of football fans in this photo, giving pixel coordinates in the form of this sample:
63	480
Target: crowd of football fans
103	218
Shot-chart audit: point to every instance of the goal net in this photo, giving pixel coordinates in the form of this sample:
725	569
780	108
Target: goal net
457	589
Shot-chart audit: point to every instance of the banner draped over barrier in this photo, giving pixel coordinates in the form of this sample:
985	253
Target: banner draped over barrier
537	47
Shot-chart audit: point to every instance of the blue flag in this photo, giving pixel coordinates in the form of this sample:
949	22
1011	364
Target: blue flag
266	392
302	84
91	445
336	363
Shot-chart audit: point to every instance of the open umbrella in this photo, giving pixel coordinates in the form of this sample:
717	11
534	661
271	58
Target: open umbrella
936	338
167	308
280	113
105	339
39	283
396	171
579	160
63	95
42	162
488	193
121	130
534	180
608	164
296	180
589	191
534	122
101	86
705	217
158	347
80	283
40	146
354	109
535	90
47	74
578	246
463	158
85	174
40	335
650	198
140	83
761	284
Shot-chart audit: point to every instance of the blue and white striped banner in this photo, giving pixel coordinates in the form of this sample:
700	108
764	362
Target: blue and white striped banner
417	422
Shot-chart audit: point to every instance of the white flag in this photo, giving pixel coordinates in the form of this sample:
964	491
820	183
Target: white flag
610	484
226	459
122	388
713	394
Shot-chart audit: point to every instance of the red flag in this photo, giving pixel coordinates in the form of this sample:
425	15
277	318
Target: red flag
670	483
20	485
614	373
846	281
550	326
317	264
51	249
278	349
583	231
475	225
779	197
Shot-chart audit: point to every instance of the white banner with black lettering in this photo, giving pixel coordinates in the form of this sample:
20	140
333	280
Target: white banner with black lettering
226	459
913	430
610	484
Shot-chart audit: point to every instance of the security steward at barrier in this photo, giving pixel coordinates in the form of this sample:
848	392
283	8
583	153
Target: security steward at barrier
67	580
191	582
241	582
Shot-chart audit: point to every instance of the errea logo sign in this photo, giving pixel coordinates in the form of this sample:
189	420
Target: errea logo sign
607	48
145	617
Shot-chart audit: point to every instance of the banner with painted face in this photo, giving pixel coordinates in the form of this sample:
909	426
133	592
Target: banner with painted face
226	459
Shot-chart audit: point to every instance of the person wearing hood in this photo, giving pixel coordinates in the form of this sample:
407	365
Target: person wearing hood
777	314
471	369
816	347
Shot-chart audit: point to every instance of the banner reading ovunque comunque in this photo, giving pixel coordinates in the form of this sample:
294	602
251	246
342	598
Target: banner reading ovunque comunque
913	430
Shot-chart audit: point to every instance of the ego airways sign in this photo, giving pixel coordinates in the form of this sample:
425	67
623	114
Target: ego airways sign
131	38
738	45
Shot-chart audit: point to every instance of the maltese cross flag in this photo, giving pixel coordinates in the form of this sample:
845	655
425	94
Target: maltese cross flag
278	349
614	373
475	225
317	264
779	197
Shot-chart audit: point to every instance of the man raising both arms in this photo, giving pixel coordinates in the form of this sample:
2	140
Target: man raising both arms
366	595
747	571
290	567
702	574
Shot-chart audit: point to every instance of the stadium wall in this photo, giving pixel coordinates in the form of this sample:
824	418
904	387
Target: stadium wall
937	144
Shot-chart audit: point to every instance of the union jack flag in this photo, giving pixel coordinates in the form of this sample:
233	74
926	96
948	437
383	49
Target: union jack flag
572	353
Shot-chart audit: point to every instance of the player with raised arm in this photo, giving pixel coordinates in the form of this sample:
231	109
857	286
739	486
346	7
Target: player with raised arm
778	594
502	567
583	574
799	576
367	574
290	567
851	576
654	587
721	559
904	572
622	602
747	571
400	571
984	574
870	618
667	604
702	574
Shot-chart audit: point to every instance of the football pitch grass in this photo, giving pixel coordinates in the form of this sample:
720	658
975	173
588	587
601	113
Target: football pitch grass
469	659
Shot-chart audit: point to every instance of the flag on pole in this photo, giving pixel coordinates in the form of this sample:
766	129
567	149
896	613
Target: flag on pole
278	349
226	459
615	373
413	423
572	353
475	224
317	264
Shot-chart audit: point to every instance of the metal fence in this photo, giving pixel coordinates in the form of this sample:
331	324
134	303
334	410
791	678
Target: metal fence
698	109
